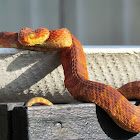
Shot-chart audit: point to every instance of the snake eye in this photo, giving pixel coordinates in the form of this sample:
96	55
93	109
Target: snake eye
31	36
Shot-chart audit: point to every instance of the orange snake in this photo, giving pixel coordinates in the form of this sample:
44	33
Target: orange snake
125	114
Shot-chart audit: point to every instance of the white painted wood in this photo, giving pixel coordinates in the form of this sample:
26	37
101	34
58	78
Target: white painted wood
87	49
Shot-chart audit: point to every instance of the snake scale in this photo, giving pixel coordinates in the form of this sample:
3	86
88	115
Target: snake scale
113	101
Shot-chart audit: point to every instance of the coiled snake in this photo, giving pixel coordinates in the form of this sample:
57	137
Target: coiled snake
125	114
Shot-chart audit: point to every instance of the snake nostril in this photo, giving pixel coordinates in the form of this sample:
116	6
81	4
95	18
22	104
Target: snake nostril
31	36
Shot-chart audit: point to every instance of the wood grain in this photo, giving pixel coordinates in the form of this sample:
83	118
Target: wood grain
68	121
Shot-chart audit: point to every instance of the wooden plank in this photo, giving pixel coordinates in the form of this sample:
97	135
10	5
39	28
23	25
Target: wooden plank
5	119
69	121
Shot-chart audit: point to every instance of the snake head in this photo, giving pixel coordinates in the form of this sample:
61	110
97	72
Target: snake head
29	37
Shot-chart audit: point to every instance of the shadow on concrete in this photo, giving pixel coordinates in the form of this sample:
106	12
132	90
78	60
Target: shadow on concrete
40	67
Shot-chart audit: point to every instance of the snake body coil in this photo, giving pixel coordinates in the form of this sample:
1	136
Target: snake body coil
125	114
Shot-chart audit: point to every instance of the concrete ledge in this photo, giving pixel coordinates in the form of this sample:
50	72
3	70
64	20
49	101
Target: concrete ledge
25	74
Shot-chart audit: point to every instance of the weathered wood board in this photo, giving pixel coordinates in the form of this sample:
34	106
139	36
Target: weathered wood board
66	121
